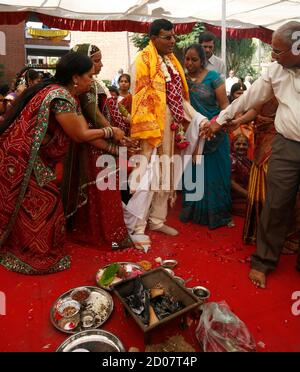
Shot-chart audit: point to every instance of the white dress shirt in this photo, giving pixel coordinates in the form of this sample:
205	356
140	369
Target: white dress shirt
229	83
216	64
285	85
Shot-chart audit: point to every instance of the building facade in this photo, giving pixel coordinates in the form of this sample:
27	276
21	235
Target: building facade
37	46
30	44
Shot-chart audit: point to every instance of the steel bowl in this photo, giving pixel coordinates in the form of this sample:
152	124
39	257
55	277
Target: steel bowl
169	271
169	264
80	294
95	340
201	292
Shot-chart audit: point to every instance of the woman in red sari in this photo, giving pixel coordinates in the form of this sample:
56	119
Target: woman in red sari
95	217
35	136
125	98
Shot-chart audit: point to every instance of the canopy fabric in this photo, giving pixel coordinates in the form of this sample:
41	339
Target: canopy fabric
135	15
264	34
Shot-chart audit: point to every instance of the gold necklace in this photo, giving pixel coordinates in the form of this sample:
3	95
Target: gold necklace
196	77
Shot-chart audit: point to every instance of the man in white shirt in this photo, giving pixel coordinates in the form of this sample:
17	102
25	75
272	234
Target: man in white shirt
207	41
248	81
283	178
232	79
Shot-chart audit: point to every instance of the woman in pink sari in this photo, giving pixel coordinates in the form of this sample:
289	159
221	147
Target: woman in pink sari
35	136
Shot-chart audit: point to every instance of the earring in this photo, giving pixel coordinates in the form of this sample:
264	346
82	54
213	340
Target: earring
75	85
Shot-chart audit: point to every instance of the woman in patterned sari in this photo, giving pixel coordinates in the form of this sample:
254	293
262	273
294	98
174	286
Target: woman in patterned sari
208	96
95	217
264	134
125	98
240	172
35	136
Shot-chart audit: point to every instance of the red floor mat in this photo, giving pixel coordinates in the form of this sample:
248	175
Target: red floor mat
216	259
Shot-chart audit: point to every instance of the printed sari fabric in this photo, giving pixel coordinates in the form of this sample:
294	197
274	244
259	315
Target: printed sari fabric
32	224
94	217
116	115
240	173
264	136
214	208
241	167
126	103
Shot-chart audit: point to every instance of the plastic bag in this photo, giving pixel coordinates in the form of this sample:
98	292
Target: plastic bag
219	330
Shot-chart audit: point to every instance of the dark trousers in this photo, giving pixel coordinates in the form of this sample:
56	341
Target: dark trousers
283	179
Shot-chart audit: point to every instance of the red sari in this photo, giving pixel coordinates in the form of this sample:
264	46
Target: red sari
95	217
32	224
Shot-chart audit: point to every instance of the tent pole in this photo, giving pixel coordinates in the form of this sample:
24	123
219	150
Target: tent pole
259	56
128	52
223	40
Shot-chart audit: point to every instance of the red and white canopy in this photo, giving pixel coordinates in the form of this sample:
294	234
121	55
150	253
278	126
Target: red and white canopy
135	15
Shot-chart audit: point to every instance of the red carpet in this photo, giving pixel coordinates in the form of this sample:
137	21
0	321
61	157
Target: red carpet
216	259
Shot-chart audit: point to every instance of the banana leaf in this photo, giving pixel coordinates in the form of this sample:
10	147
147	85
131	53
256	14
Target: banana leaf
109	274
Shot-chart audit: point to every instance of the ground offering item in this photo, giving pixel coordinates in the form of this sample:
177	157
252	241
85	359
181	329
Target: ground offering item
174	344
154	298
80	309
109	275
220	330
152	305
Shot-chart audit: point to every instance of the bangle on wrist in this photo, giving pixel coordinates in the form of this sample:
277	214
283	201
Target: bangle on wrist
108	132
113	149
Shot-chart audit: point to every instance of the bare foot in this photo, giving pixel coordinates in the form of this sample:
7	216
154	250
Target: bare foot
257	278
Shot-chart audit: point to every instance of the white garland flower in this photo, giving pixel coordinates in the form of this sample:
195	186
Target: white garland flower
165	71
170	64
164	63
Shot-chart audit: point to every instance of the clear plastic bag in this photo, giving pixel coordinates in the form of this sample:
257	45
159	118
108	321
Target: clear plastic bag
219	330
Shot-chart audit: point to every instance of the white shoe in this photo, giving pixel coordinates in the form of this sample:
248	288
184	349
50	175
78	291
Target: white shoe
166	230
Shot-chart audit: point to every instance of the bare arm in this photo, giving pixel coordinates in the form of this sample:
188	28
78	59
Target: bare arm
259	93
247	117
222	97
76	127
243	119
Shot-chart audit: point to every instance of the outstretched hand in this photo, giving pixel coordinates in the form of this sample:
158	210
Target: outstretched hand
231	125
132	144
209	130
118	134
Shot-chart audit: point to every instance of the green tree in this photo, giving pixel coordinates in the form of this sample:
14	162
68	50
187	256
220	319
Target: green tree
239	55
184	41
140	41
